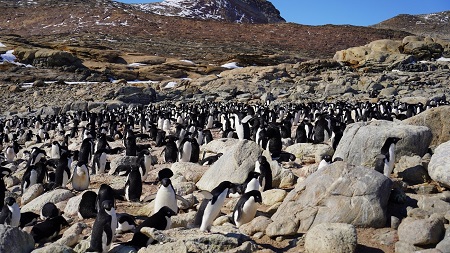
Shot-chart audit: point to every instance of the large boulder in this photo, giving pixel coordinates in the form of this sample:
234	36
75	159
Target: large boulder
439	166
361	142
234	165
421	232
308	152
42	57
437	120
331	238
54	196
422	48
340	193
14	240
379	51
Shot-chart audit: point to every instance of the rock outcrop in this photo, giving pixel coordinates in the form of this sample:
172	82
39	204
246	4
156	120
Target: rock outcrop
339	193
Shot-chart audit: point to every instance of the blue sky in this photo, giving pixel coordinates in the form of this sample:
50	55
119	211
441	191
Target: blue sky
353	12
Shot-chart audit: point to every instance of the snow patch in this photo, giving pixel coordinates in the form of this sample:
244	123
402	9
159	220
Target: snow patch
11	58
188	61
443	59
2	45
231	65
136	64
170	85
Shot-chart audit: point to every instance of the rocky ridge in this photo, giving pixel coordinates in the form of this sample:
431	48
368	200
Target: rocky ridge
236	11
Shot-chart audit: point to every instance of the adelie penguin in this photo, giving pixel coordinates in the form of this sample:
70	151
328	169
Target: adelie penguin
326	160
211	205
80	178
48	230
133	186
102	232
385	161
3	172
49	210
10	214
262	166
171	150
246	207
62	172
125	223
161	220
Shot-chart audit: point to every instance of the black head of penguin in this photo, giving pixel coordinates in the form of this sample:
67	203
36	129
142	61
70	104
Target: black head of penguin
105	193
221	188
48	229
88	207
165	173
49	210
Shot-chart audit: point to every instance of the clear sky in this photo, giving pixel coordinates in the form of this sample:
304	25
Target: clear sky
353	12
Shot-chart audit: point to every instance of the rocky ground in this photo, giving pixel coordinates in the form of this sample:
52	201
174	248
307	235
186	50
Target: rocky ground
405	71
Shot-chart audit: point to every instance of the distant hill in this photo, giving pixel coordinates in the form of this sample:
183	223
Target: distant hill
236	11
434	24
110	25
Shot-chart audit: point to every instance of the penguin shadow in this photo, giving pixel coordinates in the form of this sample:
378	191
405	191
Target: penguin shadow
366	249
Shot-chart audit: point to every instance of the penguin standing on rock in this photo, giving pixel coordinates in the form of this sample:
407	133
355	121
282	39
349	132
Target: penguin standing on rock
102	233
211	205
246	207
165	196
171	150
385	161
10	214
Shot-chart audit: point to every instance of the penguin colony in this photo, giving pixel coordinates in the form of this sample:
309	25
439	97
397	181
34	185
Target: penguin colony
49	155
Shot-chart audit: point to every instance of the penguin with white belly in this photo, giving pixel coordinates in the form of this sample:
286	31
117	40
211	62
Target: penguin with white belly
102	233
10	214
246	207
80	178
211	205
385	161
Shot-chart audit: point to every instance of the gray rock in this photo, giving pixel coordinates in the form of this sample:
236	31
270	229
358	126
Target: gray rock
137	98
258	224
234	165
193	240
438	168
331	238
54	196
72	235
421	232
308	152
121	160
72	205
273	196
54	247
339	193
444	244
370	137
31	193
411	170
14	240
437	120
405	247
191	171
